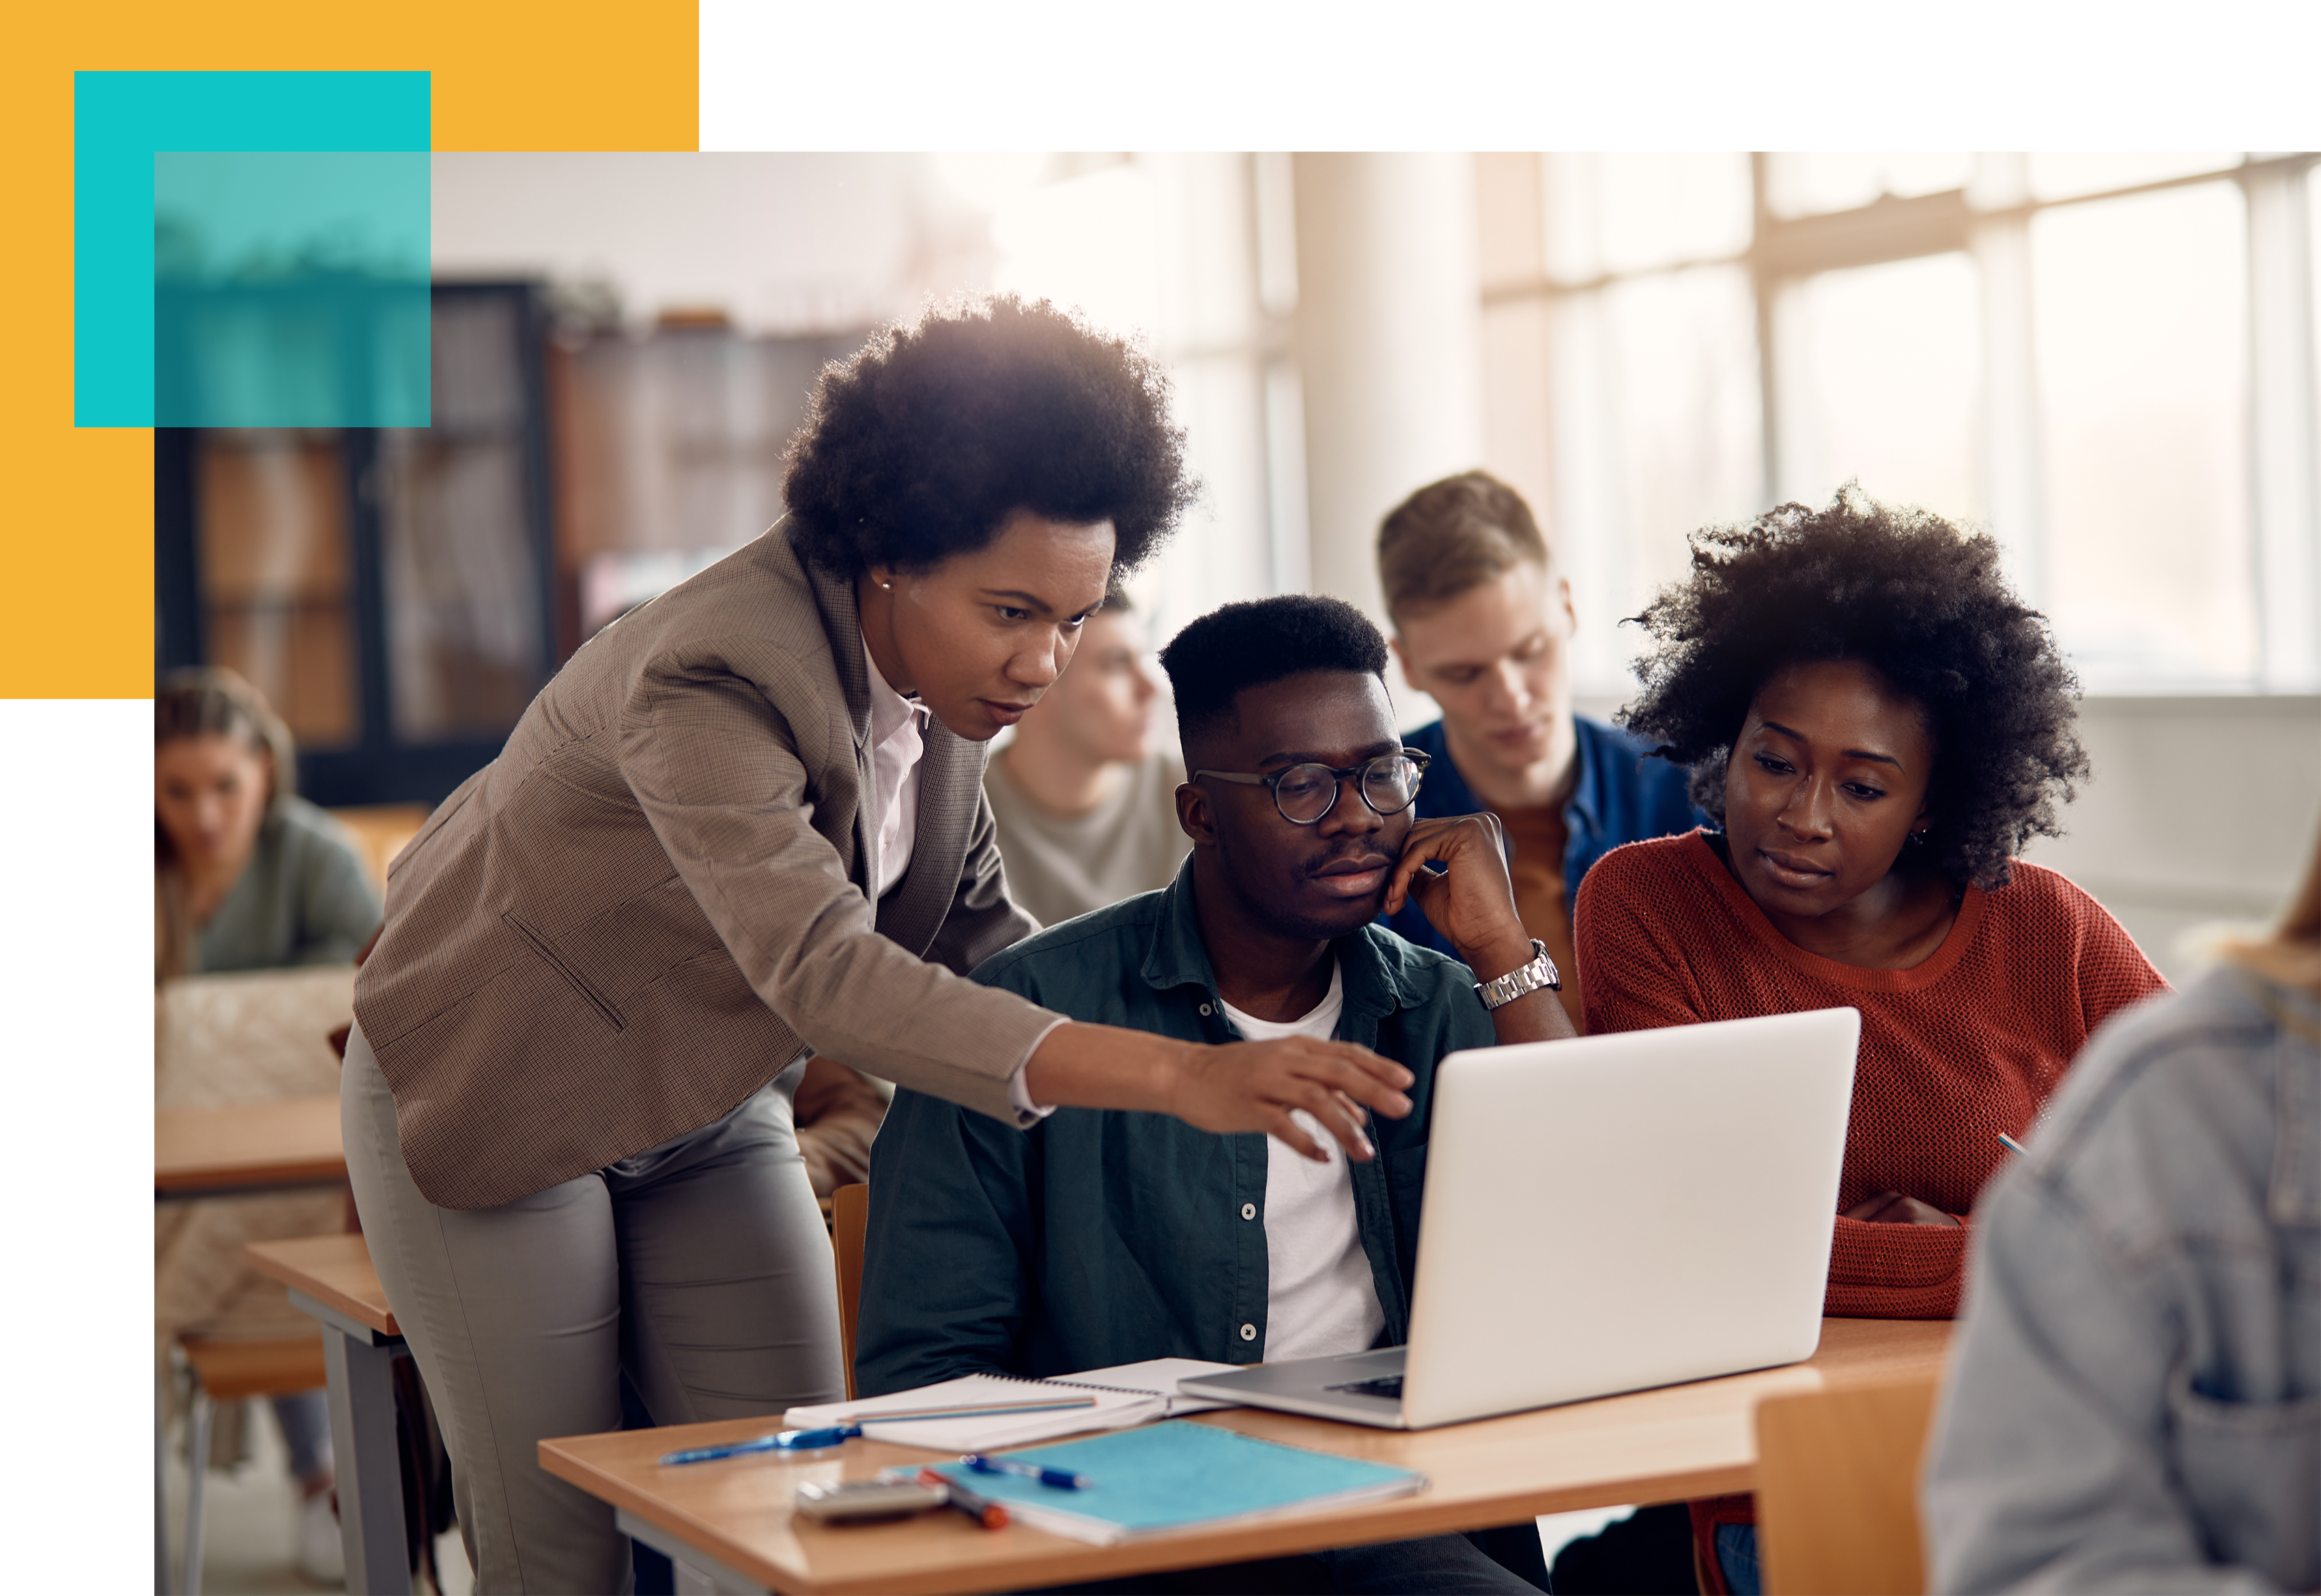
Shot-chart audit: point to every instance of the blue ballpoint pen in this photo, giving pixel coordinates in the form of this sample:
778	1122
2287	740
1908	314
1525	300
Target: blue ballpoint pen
1061	1479
787	1441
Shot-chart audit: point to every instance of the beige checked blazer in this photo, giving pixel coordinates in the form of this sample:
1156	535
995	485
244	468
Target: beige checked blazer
655	899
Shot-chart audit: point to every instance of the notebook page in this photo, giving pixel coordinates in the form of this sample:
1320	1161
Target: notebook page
982	1432
1157	1375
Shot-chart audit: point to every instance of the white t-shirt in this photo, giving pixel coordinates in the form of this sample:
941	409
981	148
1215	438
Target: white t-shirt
1320	1297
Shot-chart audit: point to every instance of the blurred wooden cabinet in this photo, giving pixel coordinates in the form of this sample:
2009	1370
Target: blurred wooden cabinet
388	590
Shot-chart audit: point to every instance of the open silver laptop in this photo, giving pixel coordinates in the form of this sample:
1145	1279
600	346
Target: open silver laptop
1602	1215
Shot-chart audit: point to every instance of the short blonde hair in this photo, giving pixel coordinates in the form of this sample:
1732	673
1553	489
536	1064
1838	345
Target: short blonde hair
1452	536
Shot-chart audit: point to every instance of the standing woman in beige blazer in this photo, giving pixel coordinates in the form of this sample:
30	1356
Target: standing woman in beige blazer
743	825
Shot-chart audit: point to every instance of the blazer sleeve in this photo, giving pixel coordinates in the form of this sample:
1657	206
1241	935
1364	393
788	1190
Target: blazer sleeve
710	763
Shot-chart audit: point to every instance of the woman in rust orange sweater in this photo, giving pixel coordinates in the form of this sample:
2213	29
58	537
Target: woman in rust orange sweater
1881	725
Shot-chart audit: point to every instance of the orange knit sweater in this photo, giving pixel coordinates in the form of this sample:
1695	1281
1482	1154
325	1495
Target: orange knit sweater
1965	1045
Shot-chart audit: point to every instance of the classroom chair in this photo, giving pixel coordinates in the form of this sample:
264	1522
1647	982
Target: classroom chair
849	1220
229	1369
1837	1490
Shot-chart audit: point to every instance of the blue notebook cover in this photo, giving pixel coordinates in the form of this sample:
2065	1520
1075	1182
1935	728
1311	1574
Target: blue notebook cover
1176	1475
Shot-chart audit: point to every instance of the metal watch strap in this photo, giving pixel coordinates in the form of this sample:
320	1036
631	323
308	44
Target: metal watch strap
1522	980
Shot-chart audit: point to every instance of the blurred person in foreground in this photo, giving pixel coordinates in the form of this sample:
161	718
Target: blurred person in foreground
1483	621
1099	1238
1085	804
1879	726
247	875
2134	1393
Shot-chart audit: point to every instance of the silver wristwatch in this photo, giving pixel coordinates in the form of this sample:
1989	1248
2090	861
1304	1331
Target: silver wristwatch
1522	979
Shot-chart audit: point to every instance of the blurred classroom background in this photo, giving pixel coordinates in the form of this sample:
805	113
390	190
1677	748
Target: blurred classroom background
2107	360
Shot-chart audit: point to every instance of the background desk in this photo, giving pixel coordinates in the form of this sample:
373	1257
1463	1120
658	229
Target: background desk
332	1278
732	1520
245	1147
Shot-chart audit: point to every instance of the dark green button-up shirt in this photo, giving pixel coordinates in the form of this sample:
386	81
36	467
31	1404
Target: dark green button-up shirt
1100	1238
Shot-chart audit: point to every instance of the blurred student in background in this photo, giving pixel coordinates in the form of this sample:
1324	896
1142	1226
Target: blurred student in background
247	875
1085	803
2135	1394
1482	621
1879	725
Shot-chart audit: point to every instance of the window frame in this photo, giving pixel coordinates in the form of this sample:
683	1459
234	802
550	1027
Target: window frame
1988	220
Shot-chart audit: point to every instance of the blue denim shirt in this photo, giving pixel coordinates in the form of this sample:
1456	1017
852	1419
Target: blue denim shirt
1098	1236
1620	796
2134	1397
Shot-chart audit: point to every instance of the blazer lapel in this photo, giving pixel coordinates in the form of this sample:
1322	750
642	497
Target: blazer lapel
835	598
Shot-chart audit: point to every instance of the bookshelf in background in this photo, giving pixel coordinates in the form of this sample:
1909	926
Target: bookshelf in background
388	590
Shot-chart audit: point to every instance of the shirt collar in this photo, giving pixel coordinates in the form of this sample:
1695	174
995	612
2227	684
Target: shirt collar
1376	965
890	712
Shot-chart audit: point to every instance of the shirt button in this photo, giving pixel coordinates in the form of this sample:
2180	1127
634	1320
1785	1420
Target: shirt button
1207	1011
1248	1210
1248	1332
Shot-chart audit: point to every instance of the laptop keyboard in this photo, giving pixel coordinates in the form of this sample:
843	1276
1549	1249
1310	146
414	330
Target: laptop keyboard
1387	1386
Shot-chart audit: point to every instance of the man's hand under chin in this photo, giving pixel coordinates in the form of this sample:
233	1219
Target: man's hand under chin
1472	903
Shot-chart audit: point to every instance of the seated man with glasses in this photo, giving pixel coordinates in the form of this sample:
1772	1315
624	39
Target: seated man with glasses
1098	1237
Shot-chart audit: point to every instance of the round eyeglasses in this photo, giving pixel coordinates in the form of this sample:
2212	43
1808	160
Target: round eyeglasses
1304	793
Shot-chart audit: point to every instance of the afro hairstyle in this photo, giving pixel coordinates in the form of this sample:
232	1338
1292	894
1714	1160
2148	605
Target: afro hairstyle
921	444
1919	600
1261	639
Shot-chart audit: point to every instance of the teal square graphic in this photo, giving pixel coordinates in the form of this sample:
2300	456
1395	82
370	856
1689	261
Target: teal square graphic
290	289
218	283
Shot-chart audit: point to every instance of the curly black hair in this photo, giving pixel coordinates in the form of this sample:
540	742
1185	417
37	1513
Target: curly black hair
1259	640
919	445
1918	599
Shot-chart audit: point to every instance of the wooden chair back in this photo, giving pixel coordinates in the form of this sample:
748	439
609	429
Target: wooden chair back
231	1368
1837	1490
849	1220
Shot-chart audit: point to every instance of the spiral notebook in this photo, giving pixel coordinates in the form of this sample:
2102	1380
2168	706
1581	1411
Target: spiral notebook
1105	1399
1175	1477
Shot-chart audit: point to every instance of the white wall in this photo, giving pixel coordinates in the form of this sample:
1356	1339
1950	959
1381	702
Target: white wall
783	243
2202	809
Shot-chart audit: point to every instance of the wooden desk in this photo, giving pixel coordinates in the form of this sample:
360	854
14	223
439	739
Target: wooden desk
247	1147
730	1521
332	1278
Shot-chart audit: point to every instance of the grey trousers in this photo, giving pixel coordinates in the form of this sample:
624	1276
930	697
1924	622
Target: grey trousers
700	1268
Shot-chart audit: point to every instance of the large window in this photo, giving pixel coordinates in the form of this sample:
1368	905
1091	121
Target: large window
2108	360
1192	252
